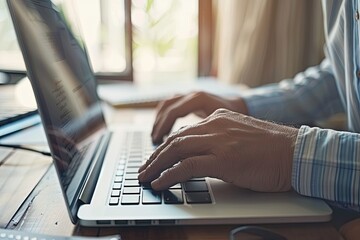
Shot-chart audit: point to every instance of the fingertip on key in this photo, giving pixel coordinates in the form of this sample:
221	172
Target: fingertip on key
141	176
142	168
156	185
153	136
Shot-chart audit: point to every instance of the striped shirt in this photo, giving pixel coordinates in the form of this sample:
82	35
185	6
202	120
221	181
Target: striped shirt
326	162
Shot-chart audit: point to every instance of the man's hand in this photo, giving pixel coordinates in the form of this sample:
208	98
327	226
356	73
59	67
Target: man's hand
200	103
236	148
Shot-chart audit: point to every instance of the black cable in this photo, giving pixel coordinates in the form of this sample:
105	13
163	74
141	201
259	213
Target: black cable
23	147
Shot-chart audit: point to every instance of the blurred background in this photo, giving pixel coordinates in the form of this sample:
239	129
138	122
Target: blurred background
253	42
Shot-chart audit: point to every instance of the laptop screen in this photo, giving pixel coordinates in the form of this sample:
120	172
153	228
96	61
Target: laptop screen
63	84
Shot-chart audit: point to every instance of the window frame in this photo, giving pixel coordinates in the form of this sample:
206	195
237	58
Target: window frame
205	46
206	38
128	73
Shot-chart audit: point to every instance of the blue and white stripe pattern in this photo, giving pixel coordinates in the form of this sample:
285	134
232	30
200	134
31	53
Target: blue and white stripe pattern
326	165
326	162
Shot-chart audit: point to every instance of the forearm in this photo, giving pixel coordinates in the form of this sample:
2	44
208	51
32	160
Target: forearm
311	95
327	165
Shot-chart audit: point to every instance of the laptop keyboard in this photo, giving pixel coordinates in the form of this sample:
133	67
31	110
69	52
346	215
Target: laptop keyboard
13	115
10	109
126	189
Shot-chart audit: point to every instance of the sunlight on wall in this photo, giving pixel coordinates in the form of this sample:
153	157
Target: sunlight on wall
165	40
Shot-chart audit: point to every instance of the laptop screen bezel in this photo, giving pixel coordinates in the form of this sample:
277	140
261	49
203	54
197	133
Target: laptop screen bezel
71	204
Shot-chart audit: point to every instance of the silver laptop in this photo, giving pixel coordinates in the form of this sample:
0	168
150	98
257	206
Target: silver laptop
97	169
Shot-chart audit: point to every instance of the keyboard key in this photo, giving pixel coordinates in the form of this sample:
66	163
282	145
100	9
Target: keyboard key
131	176
198	197
172	196
146	185
132	183
196	186
117	186
151	197
136	154
176	186
130	199
115	193
132	170
134	164
118	179
114	201
197	179
136	160
131	190
119	172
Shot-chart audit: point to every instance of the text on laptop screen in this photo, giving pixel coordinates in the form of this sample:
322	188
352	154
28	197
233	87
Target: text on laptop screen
63	84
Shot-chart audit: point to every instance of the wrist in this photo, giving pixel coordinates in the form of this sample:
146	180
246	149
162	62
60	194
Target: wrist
240	106
291	137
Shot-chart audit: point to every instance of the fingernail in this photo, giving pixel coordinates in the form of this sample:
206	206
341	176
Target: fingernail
141	168
141	176
153	138
153	133
155	184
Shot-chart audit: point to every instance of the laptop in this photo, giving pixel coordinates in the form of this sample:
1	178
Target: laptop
14	115
97	168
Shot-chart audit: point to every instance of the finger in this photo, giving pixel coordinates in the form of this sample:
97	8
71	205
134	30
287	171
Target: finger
180	148
162	106
182	107
198	166
165	104
195	129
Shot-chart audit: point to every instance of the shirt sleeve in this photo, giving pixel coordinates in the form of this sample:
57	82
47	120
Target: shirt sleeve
312	95
326	165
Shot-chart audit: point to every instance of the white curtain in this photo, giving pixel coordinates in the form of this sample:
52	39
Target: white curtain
263	41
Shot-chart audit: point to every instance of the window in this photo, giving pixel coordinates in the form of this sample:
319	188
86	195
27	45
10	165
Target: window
152	40
105	29
165	39
10	55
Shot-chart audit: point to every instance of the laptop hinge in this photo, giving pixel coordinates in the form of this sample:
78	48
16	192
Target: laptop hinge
94	171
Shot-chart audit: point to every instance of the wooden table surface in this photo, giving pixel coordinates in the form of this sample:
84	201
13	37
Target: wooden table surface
46	212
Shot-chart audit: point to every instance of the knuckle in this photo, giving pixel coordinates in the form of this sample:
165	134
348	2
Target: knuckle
162	180
173	136
168	112
189	165
163	105
177	142
186	169
171	113
221	111
218	120
197	94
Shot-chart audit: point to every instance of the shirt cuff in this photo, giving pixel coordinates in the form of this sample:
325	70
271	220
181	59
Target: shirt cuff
264	102
297	170
326	165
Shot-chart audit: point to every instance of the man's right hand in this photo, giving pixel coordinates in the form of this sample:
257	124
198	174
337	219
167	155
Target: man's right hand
238	149
200	103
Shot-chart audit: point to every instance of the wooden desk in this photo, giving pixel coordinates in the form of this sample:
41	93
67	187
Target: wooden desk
47	214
